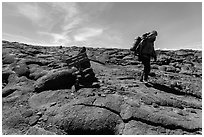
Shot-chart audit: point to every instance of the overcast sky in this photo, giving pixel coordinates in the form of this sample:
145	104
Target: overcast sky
99	24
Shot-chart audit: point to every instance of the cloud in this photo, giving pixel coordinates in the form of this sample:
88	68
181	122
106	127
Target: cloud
77	15
69	8
57	38
12	37
40	14
49	15
56	18
95	9
72	24
71	15
86	33
64	22
31	11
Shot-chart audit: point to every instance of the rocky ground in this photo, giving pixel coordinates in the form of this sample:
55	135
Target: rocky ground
37	95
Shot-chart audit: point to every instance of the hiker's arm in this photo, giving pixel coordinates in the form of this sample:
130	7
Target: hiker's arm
133	46
154	54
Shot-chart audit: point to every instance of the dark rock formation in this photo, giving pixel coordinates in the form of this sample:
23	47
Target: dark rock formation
55	79
37	95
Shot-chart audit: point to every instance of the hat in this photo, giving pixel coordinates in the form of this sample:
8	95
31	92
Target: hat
145	34
154	32
137	37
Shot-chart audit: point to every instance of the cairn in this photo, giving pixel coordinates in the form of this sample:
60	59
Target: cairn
85	76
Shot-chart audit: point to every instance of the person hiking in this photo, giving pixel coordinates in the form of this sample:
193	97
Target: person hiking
145	50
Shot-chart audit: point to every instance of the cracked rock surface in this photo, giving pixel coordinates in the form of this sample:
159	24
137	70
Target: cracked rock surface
37	98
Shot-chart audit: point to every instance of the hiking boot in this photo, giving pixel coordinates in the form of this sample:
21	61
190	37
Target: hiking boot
142	77
145	81
141	80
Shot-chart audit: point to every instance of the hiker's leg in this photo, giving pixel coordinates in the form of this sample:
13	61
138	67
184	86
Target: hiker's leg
143	71
146	68
142	75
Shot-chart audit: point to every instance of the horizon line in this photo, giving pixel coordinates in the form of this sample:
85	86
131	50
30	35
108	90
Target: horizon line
58	45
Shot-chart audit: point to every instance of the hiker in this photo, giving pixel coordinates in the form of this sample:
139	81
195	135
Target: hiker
145	50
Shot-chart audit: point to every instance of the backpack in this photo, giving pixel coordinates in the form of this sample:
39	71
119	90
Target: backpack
135	45
140	44
138	50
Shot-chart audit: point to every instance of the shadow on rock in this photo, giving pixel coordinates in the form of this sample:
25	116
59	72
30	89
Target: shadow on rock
56	79
165	88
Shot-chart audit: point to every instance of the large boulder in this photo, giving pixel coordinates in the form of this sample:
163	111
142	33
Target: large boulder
187	69
9	58
20	89
20	85
5	75
38	131
55	79
81	119
164	119
49	98
129	57
36	71
21	69
89	116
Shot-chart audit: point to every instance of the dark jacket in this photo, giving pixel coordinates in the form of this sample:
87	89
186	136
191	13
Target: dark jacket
147	47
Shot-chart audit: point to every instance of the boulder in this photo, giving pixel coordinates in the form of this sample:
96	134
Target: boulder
13	79
159	119
55	79
163	59
21	69
36	71
87	120
38	131
38	61
171	69
186	69
48	98
139	128
167	68
14	121
162	68
36	75
129	57
8	59
5	75
154	66
84	117
20	84
9	90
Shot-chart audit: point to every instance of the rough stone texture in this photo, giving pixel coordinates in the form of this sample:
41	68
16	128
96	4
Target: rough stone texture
38	131
36	71
47	98
55	79
8	58
81	119
38	99
22	85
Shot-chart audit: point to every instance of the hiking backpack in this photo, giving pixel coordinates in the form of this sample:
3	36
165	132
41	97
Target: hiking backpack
135	45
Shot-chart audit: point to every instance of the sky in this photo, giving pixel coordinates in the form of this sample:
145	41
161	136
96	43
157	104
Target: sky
103	24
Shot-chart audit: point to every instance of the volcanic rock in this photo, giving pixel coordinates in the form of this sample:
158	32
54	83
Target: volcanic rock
8	59
38	131
55	79
38	99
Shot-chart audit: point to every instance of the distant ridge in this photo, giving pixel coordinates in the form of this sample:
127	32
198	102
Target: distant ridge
158	49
